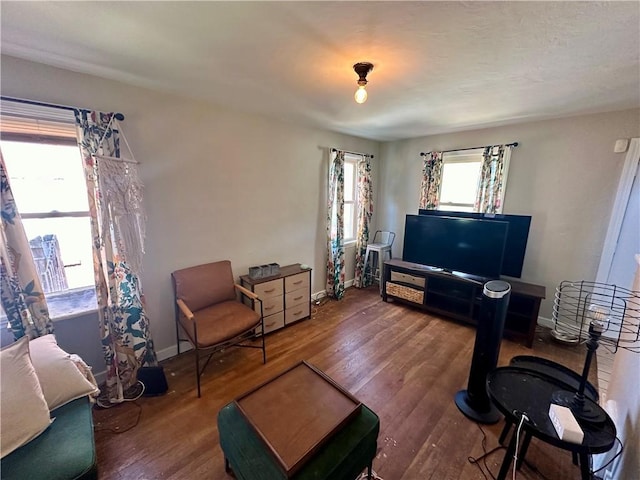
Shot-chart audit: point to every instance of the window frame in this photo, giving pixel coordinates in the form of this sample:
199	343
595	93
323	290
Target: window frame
60	299
460	156
44	140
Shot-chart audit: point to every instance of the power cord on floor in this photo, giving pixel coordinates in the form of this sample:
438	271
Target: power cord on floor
317	303
485	454
131	394
116	429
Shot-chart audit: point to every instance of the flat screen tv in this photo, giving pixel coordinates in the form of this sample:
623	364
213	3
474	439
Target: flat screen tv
455	244
517	236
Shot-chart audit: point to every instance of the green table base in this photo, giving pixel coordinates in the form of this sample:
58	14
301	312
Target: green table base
343	457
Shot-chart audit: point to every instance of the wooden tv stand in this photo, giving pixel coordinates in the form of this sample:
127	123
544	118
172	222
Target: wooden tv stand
459	296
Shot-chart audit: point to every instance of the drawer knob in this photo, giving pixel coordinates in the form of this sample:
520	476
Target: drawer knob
298	298
269	291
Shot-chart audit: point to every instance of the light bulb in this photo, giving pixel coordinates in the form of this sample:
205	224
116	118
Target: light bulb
361	94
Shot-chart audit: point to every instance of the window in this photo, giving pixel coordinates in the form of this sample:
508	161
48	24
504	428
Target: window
460	176
47	181
350	197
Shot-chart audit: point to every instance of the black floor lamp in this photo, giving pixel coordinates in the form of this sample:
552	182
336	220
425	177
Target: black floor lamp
594	314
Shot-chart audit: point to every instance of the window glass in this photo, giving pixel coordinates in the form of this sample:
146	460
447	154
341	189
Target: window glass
349	173
53	171
348	222
460	174
73	238
47	182
350	197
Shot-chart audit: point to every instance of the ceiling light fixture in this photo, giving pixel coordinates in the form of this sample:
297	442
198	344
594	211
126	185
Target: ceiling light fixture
362	69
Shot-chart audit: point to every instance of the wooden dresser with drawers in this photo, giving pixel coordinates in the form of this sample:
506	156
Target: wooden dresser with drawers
286	297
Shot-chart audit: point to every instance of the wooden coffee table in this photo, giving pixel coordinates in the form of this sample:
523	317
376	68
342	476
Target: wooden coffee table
298	425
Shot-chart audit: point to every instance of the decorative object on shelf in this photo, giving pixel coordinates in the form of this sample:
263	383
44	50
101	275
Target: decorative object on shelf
596	314
255	272
264	271
362	69
274	269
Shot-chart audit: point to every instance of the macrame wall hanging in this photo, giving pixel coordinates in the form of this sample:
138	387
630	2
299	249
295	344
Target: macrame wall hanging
121	196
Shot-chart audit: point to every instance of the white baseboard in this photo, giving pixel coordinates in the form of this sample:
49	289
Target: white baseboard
172	351
163	354
100	377
323	293
318	295
546	322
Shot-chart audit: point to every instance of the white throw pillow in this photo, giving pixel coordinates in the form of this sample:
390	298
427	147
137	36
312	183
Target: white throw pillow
24	414
59	376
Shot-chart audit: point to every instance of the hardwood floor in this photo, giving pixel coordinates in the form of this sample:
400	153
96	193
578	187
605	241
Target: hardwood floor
402	363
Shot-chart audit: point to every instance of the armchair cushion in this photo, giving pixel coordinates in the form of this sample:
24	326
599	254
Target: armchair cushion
221	322
205	285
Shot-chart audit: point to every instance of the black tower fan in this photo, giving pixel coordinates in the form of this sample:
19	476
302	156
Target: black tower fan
474	402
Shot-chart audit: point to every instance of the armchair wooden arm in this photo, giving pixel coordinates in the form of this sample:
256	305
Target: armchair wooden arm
184	309
247	292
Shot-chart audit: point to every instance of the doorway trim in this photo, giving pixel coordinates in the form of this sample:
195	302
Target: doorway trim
619	207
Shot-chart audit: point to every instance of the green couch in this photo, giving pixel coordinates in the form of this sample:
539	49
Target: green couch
65	450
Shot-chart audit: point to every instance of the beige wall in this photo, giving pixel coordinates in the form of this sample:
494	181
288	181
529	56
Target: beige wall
222	184
564	173
219	184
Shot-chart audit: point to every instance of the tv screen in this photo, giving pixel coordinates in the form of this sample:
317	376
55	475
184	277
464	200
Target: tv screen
467	245
517	236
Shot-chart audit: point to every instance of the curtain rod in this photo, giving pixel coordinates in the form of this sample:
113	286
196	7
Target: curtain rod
423	154
117	115
353	153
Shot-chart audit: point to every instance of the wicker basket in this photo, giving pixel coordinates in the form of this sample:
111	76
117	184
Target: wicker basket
406	293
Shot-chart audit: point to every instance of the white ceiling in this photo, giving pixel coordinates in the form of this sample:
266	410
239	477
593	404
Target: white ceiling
439	66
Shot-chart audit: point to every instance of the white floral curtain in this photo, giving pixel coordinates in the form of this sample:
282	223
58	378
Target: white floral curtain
431	181
335	228
21	292
493	179
365	212
115	200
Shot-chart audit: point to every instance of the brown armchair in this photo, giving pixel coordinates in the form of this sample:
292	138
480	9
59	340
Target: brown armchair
209	313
